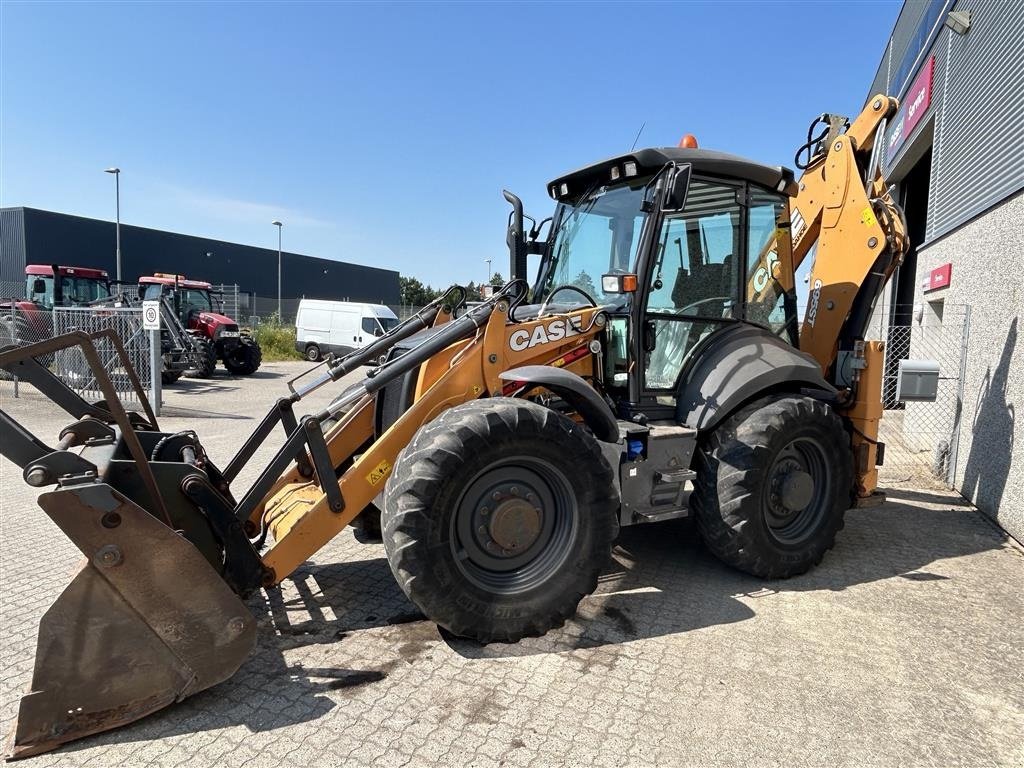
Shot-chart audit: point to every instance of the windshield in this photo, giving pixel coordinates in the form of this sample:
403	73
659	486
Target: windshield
598	235
197	299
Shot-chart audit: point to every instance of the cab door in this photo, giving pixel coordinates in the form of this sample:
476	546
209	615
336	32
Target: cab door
694	282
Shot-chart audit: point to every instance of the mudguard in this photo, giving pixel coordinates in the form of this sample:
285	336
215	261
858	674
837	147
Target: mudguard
739	363
575	391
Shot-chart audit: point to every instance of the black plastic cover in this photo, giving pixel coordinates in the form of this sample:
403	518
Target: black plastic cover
740	362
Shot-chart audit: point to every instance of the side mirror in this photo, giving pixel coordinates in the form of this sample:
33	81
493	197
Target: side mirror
38	286
675	198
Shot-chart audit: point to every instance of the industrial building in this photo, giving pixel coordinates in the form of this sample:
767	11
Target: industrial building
954	152
32	236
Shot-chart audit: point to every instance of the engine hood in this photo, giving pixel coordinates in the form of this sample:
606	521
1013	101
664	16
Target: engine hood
214	319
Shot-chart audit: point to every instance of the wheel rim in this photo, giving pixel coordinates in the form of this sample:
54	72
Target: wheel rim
514	525
797	496
313	354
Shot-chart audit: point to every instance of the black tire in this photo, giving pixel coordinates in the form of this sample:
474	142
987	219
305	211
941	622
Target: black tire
773	483
552	492
206	358
170	377
313	353
244	359
367	526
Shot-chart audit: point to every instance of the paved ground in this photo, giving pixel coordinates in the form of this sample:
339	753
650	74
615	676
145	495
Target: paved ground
904	647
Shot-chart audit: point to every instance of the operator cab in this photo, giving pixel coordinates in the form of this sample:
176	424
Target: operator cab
678	244
49	286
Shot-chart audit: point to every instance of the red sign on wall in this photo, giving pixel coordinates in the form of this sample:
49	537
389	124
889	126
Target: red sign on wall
915	103
939	277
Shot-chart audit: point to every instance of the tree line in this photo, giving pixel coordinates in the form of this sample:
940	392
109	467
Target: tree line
415	293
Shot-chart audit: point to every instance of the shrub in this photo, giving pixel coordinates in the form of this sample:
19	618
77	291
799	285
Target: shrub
276	341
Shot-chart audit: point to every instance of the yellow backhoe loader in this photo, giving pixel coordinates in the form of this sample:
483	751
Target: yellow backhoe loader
655	368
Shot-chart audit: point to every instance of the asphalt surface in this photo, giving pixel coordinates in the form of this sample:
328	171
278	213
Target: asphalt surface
905	647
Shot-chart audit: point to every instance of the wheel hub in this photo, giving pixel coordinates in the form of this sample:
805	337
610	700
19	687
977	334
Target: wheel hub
515	524
797	490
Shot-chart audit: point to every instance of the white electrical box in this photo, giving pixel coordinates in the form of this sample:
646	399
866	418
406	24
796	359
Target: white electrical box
917	381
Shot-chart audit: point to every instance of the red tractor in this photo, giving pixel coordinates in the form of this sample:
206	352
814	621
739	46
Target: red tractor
28	320
218	336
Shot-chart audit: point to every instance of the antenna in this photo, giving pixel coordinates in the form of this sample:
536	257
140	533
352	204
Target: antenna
642	126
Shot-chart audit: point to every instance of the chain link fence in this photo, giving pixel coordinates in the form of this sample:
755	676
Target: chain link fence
921	438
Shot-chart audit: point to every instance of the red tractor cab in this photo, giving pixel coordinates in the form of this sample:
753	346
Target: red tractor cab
47	286
194	304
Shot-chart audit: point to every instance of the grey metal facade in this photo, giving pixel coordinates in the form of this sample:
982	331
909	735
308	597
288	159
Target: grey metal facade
960	170
974	120
32	236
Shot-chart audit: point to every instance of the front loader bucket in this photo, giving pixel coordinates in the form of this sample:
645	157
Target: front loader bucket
145	622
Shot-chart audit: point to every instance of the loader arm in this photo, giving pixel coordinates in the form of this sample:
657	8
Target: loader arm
298	514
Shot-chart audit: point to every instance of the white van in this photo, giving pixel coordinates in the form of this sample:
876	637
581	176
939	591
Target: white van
339	326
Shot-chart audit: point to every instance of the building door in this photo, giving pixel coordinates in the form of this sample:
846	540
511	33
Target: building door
914	199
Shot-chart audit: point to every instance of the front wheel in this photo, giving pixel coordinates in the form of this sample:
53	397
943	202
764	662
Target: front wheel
313	353
773	483
203	358
244	359
498	519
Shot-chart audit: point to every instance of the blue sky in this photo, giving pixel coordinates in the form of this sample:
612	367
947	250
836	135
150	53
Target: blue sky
383	134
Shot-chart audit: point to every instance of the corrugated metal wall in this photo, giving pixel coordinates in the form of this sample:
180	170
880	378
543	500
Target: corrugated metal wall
977	105
12	247
56	238
978	156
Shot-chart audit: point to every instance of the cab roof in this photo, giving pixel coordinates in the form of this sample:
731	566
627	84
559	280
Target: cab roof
182	282
648	161
47	271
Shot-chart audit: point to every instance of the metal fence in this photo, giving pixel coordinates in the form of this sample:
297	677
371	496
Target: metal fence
921	438
27	325
70	364
231	304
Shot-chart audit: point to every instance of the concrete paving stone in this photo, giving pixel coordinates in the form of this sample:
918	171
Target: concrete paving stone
902	647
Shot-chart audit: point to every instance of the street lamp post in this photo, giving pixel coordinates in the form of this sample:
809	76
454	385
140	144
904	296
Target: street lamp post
488	271
278	224
117	203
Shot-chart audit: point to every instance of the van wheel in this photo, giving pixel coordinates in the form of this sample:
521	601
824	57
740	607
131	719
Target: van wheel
313	353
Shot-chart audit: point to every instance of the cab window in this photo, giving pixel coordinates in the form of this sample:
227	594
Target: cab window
695	280
44	297
371	327
771	294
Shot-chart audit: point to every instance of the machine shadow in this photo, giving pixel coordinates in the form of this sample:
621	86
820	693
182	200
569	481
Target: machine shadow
661	581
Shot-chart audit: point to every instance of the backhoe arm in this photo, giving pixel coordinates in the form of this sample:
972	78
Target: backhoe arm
844	209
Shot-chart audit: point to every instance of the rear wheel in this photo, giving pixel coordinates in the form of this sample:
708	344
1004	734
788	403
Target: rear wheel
204	358
170	377
773	483
312	353
498	519
244	359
